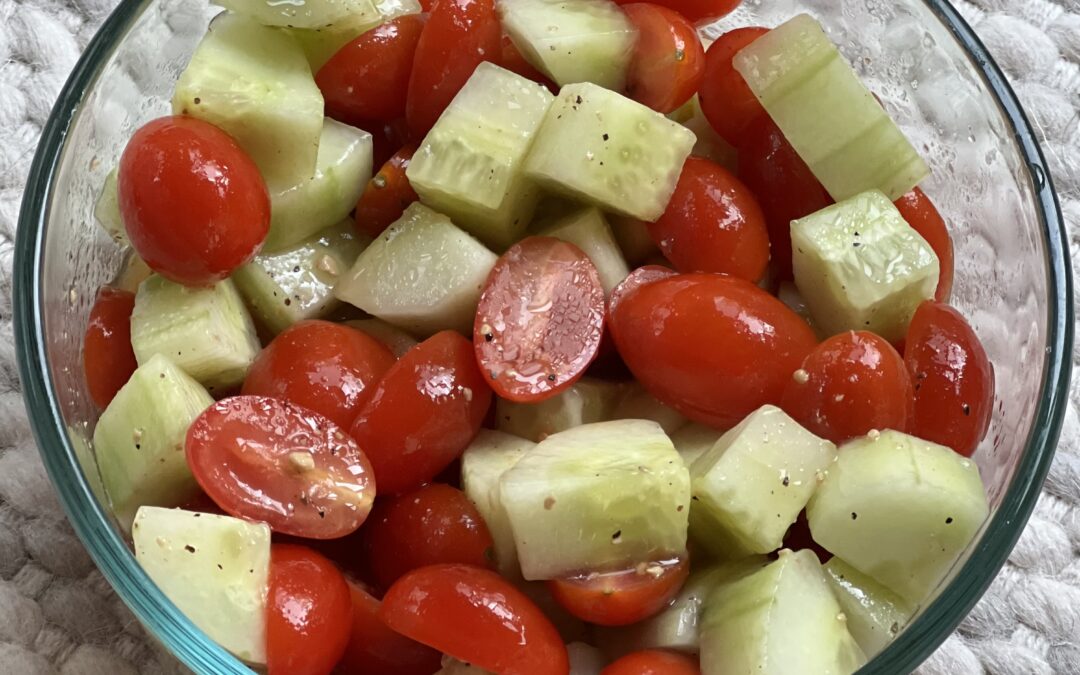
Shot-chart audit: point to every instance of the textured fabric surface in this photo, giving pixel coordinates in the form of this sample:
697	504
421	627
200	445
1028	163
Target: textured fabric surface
58	615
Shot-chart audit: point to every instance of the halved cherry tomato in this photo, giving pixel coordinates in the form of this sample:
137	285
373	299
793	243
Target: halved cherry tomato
262	458
726	99
459	35
108	359
712	346
309	612
954	379
513	61
424	413
374	648
476	616
697	10
194	205
643	275
851	383
668	61
923	216
387	195
540	319
621	598
653	662
713	224
325	367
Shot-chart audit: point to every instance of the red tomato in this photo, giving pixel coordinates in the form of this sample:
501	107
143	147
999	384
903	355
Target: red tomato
713	347
435	524
923	216
653	662
309	612
194	205
697	10
668	62
374	648
621	598
368	79
459	35
325	367
726	99
713	224
954	379
424	413
540	319
265	459
852	383
387	139
108	359
387	195
513	61
636	279
476	616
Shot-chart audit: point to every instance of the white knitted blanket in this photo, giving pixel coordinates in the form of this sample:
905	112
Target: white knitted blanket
57	613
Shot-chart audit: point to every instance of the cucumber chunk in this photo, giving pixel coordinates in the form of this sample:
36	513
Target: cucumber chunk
586	401
395	339
751	485
780	620
205	331
302	14
470	163
423	274
694	440
451	666
875	615
215	569
860	266
602	148
899	509
638	404
587	229
322	42
107	210
572	40
254	83
829	117
602	496
139	439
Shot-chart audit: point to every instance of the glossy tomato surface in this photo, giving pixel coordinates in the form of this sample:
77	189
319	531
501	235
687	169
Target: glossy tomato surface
624	597
646	274
375	648
668	61
726	99
386	195
653	662
108	359
697	10
924	218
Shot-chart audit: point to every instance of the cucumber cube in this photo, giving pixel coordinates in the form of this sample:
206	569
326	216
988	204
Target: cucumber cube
587	229
899	509
139	439
638	404
602	496
586	401
875	615
395	339
604	149
829	117
215	569
205	331
860	266
322	42
107	210
694	440
470	163
302	14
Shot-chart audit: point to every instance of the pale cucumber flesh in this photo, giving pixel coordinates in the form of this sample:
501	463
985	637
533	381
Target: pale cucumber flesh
634	240
875	615
694	440
589	230
586	401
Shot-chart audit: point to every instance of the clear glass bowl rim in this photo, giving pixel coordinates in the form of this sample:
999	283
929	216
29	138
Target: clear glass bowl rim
172	628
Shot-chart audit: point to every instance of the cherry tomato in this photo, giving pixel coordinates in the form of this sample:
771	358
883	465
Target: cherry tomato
387	195
387	139
713	224
954	379
374	648
621	598
368	79
309	612
512	60
713	347
476	616
653	662
424	413
923	216
851	383
643	275
325	367
726	99
540	319
108	359
668	62
262	458
459	35
194	205
697	10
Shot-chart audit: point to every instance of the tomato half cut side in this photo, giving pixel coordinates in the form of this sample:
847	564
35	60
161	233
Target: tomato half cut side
375	648
386	195
668	61
269	460
623	597
653	662
108	359
924	218
726	100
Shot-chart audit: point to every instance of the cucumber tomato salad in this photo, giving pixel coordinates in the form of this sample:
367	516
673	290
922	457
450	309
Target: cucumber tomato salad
533	337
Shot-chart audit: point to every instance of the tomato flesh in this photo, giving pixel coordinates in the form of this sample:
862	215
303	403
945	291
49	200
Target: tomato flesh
621	598
375	648
726	100
387	195
108	359
668	61
653	662
924	218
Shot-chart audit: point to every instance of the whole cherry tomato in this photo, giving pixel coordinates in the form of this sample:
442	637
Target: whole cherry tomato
624	597
668	61
387	195
923	216
653	662
697	10
726	99
108	359
643	275
375	648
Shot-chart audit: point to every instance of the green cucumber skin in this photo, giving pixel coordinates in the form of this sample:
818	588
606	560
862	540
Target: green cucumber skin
875	615
587	401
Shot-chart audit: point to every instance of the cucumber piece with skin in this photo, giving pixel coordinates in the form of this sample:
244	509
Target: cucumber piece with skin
875	615
107	210
694	440
322	42
899	509
586	401
395	339
860	266
638	404
831	119
302	14
215	569
598	497
604	149
587	229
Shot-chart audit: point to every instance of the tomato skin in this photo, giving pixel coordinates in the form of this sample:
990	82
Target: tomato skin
713	224
309	612
528	354
263	458
954	379
924	218
374	648
653	662
194	205
387	195
621	598
646	274
476	616
712	346
726	99
668	62
432	525
697	10
108	359
424	413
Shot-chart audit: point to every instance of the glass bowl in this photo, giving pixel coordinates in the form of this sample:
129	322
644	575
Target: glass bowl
930	70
